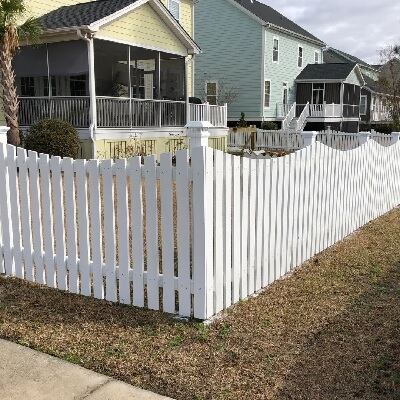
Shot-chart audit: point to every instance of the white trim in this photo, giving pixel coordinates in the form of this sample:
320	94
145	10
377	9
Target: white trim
285	85
270	92
273	49
317	53
300	46
179	8
366	104
216	90
263	52
141	45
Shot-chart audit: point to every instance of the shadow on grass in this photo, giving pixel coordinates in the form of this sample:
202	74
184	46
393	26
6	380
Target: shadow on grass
357	355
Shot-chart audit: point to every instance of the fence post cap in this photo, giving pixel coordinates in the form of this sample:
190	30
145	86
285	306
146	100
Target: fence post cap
309	138
3	134
395	137
199	125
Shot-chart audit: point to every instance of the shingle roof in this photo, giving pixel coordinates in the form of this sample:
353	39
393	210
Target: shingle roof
81	14
338	71
336	56
269	15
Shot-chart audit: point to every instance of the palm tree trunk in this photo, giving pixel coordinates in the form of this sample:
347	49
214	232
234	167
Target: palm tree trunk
9	93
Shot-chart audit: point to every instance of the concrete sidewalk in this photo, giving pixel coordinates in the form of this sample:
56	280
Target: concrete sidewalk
27	374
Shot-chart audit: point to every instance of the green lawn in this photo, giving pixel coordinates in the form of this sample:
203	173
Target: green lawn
330	331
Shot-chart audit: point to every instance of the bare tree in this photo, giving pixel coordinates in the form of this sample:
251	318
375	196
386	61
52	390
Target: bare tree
389	81
226	93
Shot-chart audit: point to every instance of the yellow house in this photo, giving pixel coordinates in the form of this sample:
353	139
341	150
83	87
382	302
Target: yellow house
120	71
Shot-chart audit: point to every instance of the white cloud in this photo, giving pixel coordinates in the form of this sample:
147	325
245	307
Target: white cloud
359	27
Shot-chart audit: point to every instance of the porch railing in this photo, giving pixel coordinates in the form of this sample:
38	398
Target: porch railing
381	114
217	115
332	110
119	112
74	110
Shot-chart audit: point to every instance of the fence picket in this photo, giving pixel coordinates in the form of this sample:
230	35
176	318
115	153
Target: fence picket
245	227
92	167
47	215
236	230
36	216
109	230
259	224
167	233
15	212
149	170
227	230
70	218
124	289
183	231
136	222
251	240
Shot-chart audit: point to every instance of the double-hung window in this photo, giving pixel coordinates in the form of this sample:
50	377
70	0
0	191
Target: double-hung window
318	93
267	94
174	7
363	105
275	51
300	57
316	57
212	92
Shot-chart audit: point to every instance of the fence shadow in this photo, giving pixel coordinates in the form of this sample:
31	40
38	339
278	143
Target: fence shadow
356	355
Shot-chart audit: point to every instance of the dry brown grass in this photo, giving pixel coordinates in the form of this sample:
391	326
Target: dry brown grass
330	331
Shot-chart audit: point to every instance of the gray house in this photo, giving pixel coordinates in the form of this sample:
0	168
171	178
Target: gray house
251	57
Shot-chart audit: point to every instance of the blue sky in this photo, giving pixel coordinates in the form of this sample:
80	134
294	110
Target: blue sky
359	27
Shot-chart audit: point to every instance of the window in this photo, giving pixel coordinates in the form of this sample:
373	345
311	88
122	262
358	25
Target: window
318	93
363	105
316	57
300	58
285	93
77	85
212	92
267	94
28	87
275	55
175	8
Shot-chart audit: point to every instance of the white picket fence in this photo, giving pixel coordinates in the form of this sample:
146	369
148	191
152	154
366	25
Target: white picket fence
192	238
292	141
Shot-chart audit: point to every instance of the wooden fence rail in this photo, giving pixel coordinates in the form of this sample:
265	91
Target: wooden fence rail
192	237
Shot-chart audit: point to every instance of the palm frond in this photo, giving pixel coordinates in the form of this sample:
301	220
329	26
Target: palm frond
29	31
10	11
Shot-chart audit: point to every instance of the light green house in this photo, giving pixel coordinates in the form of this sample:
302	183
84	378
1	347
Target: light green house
251	57
120	71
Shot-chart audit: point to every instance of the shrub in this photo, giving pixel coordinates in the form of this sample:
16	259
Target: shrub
269	126
242	121
53	137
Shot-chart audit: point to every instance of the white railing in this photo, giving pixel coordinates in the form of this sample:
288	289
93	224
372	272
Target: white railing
121	112
112	230
302	120
289	117
216	115
74	110
381	113
282	110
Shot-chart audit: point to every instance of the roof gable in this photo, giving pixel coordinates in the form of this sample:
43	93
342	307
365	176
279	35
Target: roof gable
268	15
95	14
326	72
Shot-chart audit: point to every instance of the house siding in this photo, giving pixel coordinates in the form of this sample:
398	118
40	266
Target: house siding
353	79
36	8
231	43
143	27
286	70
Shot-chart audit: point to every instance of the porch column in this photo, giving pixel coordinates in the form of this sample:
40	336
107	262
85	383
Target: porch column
187	61
92	88
158	84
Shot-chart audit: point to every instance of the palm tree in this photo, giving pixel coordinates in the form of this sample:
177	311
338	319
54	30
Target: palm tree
11	35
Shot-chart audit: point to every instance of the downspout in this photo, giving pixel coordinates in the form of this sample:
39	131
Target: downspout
88	38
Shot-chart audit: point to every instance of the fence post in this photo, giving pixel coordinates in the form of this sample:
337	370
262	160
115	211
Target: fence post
309	138
198	134
395	137
363	137
3	134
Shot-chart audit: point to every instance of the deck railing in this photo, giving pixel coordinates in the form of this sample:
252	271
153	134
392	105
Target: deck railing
119	112
74	110
381	113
